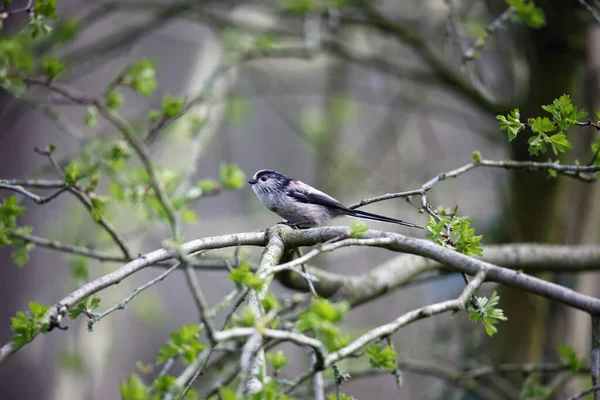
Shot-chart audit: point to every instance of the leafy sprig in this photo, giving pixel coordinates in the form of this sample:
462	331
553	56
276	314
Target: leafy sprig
546	130
320	318
27	325
487	313
185	342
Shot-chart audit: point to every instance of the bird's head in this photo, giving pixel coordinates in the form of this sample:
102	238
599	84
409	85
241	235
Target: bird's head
267	180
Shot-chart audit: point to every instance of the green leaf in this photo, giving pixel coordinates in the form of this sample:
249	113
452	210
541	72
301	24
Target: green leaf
163	385
133	389
91	117
559	143
38	310
320	317
569	358
542	125
71	173
269	302
232	177
208	185
86	306
245	319
26	327
487	313
153	116
52	67
278	360
10	210
244	276
511	124
172	106
142	77
46	8
227	394
184	342
534	390
528	13
66	31
20	254
358	228
382	358
536	145
476	157
114	100
564	113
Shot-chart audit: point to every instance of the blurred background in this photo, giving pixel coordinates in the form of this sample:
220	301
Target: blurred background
354	108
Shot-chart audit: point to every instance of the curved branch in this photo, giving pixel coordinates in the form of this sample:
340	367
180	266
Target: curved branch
295	238
403	269
59	310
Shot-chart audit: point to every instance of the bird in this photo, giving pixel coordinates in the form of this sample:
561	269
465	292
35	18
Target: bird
301	205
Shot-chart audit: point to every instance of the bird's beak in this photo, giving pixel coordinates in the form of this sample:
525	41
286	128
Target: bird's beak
252	181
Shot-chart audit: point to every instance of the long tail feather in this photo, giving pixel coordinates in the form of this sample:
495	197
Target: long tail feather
381	218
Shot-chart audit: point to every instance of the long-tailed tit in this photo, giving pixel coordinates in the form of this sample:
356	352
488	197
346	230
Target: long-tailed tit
302	205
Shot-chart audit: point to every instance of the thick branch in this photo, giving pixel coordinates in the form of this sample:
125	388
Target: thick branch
403	269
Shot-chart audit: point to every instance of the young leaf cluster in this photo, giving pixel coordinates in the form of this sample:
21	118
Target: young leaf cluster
86	306
27	325
528	13
533	390
546	130
487	313
455	232
382	358
277	360
569	358
320	318
242	275
232	177
185	342
135	389
9	212
358	228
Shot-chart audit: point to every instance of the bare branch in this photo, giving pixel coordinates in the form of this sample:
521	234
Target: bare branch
403	269
67	248
594	389
37	199
122	304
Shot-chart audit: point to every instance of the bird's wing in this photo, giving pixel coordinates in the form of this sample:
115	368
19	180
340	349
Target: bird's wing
307	194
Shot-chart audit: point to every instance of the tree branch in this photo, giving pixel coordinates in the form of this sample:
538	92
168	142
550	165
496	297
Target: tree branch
388	329
403	269
67	248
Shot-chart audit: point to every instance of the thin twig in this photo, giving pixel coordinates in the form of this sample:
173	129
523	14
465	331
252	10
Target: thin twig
126	300
67	248
594	389
390	328
594	13
36	198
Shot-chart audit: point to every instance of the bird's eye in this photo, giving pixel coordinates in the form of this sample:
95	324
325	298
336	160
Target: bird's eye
264	179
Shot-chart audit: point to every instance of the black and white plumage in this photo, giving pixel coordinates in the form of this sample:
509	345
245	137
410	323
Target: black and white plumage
302	205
